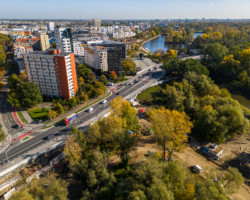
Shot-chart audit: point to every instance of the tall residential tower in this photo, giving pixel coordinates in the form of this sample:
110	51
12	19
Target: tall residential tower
53	72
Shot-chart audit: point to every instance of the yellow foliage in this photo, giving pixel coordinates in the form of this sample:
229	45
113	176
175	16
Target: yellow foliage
72	151
170	128
205	36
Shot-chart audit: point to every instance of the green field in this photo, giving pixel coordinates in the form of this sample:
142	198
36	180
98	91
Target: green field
37	114
151	95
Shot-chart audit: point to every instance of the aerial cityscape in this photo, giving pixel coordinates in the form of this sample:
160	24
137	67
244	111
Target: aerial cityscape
125	100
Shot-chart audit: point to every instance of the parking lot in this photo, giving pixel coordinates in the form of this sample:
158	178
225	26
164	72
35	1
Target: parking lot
145	63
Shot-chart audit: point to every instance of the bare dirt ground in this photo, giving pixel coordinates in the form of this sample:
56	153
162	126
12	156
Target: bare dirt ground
190	157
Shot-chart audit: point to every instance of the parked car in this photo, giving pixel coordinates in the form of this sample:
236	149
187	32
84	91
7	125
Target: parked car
196	169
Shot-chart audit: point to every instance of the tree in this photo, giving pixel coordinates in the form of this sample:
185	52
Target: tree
125	144
137	195
103	79
51	114
72	151
159	191
122	108
232	180
29	95
13	81
23	77
84	97
128	66
58	108
13	99
2	134
1	85
170	129
22	194
214	53
153	33
54	44
113	75
177	68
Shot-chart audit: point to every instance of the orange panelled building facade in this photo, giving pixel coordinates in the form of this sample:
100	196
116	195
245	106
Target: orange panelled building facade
54	72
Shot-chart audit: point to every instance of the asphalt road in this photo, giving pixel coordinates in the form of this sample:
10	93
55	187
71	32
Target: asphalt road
38	138
7	117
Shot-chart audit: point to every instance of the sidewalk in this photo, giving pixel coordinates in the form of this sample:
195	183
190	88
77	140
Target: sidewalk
27	117
77	108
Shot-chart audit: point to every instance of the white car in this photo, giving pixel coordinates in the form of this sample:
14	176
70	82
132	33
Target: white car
196	169
90	109
104	101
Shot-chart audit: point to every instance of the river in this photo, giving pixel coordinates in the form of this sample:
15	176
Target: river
159	44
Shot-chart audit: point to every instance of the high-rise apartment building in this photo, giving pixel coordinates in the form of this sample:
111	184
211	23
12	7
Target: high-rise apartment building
97	23
50	26
44	41
116	53
96	58
53	72
64	40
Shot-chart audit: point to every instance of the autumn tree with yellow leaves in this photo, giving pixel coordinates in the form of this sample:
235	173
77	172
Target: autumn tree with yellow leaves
170	129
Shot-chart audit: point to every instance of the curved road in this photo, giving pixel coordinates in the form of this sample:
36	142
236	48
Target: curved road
38	138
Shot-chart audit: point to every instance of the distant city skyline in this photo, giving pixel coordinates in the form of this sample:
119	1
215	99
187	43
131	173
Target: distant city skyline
129	9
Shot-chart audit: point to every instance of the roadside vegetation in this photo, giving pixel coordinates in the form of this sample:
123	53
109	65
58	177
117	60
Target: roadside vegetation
21	117
38	114
2	134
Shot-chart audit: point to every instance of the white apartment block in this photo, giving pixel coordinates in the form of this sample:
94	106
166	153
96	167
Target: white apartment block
64	39
96	58
78	48
50	26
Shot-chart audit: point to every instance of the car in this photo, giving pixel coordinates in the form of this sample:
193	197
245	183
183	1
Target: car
196	169
104	101
15	126
131	83
90	109
49	136
149	70
117	93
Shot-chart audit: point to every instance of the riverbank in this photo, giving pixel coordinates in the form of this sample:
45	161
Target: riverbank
141	43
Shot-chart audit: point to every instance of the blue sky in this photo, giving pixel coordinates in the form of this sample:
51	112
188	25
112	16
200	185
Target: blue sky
124	9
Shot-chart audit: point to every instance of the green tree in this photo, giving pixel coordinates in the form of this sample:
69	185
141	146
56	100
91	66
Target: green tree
215	52
54	44
122	108
128	66
29	95
58	108
2	134
125	144
23	194
13	82
103	79
232	180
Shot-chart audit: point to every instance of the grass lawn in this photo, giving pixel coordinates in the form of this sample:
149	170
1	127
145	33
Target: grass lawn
37	114
151	95
21	117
